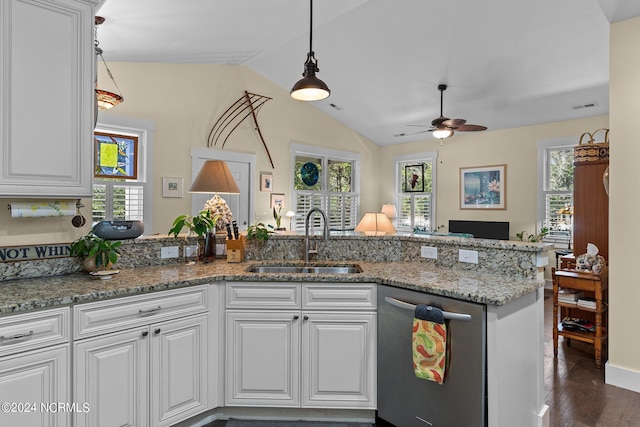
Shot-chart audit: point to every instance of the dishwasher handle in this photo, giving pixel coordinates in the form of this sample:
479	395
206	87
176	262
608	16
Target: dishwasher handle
447	314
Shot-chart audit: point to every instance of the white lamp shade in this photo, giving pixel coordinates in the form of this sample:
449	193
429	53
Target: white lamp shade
442	133
389	210
214	177
375	224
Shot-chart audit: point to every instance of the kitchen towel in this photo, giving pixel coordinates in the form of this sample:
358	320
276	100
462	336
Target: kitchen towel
42	209
429	343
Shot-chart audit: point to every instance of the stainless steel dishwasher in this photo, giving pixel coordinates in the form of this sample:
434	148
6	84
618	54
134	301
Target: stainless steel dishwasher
407	401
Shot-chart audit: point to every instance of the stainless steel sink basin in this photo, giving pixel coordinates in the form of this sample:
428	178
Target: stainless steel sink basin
313	269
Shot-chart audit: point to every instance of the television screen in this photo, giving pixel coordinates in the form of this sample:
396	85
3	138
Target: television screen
498	230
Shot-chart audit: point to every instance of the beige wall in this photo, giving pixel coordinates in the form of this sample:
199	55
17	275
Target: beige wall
624	203
514	147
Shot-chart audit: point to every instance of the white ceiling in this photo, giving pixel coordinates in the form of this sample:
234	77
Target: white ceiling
508	63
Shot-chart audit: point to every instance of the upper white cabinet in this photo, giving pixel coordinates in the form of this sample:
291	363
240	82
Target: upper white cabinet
47	63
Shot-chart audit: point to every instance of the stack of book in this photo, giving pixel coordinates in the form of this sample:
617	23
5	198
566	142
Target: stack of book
569	296
584	302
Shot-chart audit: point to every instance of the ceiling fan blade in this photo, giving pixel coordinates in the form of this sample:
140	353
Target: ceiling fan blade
454	123
419	126
471	128
412	133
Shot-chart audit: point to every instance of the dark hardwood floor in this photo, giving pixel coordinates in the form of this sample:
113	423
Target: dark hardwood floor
574	388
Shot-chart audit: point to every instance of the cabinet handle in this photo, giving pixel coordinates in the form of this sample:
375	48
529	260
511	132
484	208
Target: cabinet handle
151	310
156	331
306	317
296	317
145	333
16	336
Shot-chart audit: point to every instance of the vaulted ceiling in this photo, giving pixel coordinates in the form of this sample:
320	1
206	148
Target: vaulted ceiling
507	63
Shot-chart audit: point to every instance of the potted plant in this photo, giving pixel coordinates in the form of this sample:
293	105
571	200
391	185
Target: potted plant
203	225
278	217
98	253
258	232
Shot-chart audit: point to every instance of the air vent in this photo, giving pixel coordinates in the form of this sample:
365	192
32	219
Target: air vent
587	105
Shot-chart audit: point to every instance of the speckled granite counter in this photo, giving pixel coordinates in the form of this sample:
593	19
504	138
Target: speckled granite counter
29	294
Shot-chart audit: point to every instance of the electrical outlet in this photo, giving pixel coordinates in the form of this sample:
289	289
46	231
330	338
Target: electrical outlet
190	251
430	252
468	256
169	252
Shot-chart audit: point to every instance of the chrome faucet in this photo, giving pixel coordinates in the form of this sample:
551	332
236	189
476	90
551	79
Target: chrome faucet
308	251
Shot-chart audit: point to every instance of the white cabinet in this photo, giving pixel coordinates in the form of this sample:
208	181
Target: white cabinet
47	63
310	346
152	372
34	369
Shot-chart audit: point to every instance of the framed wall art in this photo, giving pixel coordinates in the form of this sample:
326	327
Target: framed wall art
171	187
266	182
277	200
413	178
483	187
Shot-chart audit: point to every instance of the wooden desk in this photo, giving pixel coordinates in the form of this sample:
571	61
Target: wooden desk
594	286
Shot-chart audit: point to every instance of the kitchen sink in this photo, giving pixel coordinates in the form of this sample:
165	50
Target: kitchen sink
309	269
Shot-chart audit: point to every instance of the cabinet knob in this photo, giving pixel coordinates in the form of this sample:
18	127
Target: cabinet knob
156	331
296	317
145	333
306	317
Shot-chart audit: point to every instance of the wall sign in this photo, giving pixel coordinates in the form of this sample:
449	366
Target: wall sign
26	253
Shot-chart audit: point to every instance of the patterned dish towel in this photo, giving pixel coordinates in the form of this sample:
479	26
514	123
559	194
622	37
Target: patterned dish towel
429	343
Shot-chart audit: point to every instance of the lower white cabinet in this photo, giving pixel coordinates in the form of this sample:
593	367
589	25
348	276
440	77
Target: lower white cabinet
152	374
322	355
32	384
35	386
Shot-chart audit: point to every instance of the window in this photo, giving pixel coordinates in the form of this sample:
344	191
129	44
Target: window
415	184
326	179
556	206
120	184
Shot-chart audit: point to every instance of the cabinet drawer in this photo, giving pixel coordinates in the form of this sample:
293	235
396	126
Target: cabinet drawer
336	296
28	331
263	295
122	313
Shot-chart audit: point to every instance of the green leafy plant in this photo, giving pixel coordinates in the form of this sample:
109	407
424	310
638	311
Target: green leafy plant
533	237
277	216
102	251
200	224
258	232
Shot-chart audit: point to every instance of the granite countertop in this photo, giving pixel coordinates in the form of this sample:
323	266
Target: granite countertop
52	291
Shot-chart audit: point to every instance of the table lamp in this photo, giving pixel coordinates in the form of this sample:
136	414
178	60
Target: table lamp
375	224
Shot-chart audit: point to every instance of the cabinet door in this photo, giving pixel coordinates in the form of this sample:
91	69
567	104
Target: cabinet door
338	360
34	378
262	360
111	374
47	106
178	369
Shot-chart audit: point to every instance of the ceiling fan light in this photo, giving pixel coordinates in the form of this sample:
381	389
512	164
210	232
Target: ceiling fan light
442	133
107	100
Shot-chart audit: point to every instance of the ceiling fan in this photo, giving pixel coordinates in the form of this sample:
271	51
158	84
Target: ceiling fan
444	127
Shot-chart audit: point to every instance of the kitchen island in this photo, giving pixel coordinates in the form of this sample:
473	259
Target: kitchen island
513	305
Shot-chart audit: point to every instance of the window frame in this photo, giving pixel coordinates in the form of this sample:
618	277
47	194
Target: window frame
544	148
144	131
399	162
325	154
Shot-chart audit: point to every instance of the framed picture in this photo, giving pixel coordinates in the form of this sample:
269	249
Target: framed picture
171	187
483	187
116	156
413	179
277	200
266	182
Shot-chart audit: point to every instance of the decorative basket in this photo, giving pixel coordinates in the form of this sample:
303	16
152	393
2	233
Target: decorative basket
591	151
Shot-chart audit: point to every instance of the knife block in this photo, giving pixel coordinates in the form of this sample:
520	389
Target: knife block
235	250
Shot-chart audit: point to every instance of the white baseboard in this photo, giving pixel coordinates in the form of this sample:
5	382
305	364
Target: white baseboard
622	377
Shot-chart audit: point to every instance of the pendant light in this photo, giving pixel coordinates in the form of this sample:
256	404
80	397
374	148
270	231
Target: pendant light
310	88
105	99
